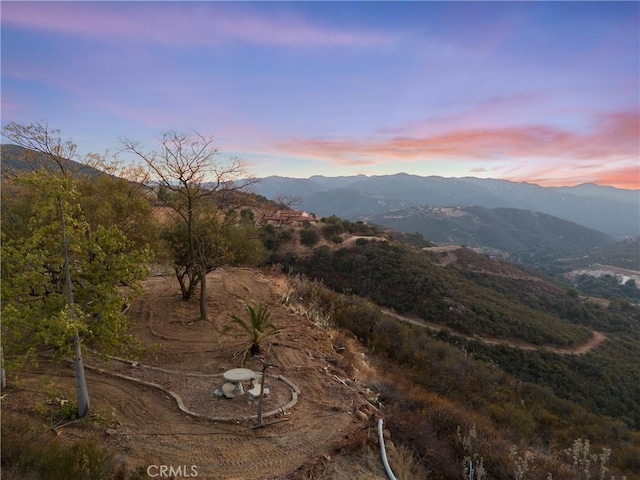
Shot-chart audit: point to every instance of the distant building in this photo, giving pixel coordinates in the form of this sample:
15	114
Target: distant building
294	218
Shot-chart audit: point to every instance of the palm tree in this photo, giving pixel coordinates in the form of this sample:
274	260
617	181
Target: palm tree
256	327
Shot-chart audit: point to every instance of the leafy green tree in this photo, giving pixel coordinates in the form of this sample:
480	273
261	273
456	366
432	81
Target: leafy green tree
332	227
222	239
48	238
42	311
256	327
111	201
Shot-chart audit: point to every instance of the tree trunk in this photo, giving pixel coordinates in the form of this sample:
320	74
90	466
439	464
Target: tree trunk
3	376
188	280
203	294
82	394
183	288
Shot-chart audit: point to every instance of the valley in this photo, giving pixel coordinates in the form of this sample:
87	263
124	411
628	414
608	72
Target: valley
444	340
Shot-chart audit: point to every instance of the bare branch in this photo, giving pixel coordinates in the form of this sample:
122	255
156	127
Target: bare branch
189	177
38	137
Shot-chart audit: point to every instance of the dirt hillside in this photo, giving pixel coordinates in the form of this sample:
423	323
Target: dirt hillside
323	435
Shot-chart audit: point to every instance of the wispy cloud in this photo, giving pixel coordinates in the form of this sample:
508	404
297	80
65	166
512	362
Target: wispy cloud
183	24
624	177
557	175
613	136
611	149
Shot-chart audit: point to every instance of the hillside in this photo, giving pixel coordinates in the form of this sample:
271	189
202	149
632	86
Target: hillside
344	384
613	211
147	426
468	294
343	388
519	235
622	254
17	160
461	355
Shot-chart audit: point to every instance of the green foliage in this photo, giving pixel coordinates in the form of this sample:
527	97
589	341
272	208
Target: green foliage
215	239
269	237
247	215
332	227
244	242
608	287
439	382
106	270
469	301
255	328
613	373
110	201
272	238
309	236
408	281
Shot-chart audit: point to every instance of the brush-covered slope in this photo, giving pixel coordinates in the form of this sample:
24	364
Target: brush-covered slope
533	327
523	235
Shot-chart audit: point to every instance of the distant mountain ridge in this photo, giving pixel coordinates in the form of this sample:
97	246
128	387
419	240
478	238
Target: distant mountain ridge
610	210
18	160
523	235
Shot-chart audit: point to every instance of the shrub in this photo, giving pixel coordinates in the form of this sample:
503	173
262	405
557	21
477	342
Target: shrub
309	237
29	453
255	328
330	230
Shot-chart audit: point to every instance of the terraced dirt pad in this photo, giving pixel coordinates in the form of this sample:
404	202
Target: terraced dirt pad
146	426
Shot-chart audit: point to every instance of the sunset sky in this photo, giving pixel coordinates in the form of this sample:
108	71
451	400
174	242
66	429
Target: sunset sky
544	92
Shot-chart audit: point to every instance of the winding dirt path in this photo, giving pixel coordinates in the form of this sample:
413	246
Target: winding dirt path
596	340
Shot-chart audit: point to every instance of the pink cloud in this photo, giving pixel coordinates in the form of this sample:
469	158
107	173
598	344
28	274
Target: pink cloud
624	177
611	149
621	176
615	135
187	24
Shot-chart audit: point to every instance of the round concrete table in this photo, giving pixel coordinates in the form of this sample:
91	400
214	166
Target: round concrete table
237	376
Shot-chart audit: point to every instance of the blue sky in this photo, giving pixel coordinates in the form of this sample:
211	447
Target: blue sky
545	92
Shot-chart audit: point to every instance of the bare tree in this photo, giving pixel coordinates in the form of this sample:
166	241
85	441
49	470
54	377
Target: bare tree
45	147
190	179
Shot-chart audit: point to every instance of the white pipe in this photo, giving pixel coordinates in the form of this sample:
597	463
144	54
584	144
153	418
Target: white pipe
383	452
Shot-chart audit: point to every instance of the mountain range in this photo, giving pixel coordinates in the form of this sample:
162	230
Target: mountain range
610	210
522	221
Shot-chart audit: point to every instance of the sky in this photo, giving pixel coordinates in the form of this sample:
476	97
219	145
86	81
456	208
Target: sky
540	92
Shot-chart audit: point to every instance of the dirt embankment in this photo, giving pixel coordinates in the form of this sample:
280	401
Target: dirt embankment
145	425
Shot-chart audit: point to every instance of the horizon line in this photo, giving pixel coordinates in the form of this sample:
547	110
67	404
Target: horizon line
527	182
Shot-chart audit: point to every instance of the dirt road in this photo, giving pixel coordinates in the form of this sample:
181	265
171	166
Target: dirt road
596	339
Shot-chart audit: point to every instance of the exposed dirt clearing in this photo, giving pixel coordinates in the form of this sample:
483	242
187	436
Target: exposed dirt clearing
147	427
